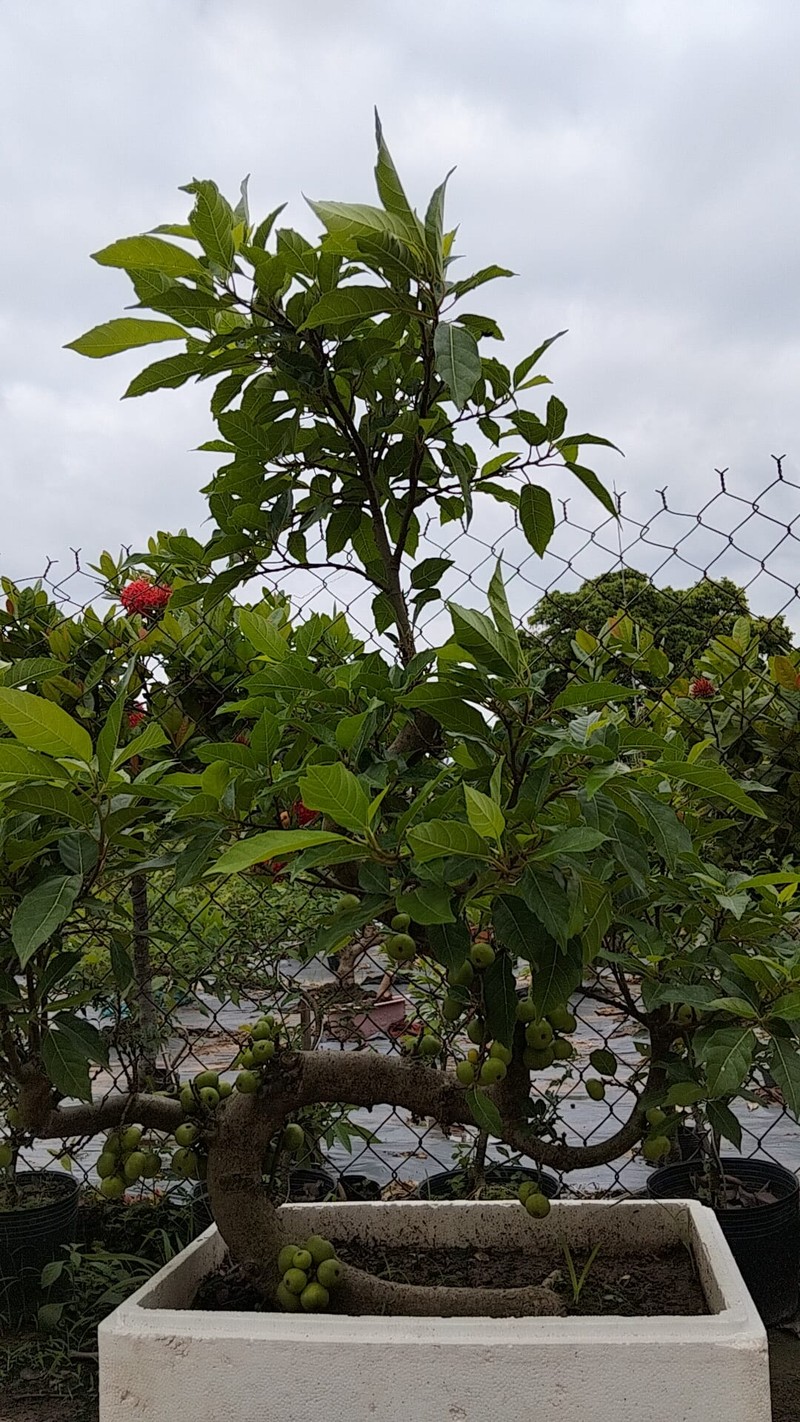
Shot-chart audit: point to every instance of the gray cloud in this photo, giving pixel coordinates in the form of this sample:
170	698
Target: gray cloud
632	161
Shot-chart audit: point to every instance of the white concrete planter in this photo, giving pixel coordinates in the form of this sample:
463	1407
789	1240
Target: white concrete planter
161	1363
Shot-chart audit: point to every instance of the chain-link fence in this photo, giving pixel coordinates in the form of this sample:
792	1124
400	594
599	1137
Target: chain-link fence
203	960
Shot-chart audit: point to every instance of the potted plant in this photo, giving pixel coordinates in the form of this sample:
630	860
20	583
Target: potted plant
478	823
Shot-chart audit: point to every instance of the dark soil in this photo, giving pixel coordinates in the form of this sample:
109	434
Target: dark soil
628	1285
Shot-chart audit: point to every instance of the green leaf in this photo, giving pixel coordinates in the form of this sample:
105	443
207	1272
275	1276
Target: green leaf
603	1061
500	999
166	374
486	817
536	516
78	852
526	365
477	635
728	1055
19	763
458	360
515	927
441	701
194	857
66	1064
30	669
262	634
124	334
350	304
484	1113
470	283
559	974
429	571
434	224
151	254
722	1120
273	844
84	1034
41	912
593	693
53	800
43	726
334	790
787	1007
684	1093
785	1067
577	839
428	904
590	481
231	752
548	902
435	839
390	189
449	943
363	220
498	602
212	222
670	835
711	778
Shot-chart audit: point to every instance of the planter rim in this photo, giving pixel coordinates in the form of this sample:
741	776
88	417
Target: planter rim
737	1320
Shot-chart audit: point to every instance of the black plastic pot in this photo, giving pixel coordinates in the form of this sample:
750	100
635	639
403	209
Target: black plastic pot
764	1239
310	1185
449	1184
32	1237
359	1187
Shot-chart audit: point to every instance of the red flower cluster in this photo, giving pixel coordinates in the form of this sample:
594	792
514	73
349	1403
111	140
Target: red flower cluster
302	815
136	717
145	598
702	689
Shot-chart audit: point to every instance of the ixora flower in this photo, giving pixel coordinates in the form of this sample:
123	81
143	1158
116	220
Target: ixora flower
136	716
145	597
702	689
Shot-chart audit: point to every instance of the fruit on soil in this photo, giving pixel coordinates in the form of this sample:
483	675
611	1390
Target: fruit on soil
303	1259
286	1259
295	1280
288	1301
320	1249
329	1272
314	1298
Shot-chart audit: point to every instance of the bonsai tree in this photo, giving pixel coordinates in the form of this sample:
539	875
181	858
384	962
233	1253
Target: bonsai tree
447	799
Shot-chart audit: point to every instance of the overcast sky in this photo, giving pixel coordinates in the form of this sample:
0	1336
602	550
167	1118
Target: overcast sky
634	161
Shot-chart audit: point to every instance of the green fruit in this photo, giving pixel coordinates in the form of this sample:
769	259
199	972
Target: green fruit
262	1051
329	1272
403	944
13	1118
209	1097
113	1188
452	1009
293	1137
295	1280
314	1298
684	1015
476	1031
655	1148
526	1188
152	1165
538	1035
348	903
106	1165
465	1072
400	923
225	1089
184	1163
260	1033
537	1061
186	1134
482	955
288	1301
246	1058
247	1082
113	1145
501	1053
320	1249
130	1138
537	1205
596	1089
527	1010
286	1258
656	1117
303	1259
6	1155
492	1071
463	976
562	1050
134	1166
562	1020
187	1099
207	1078
429	1046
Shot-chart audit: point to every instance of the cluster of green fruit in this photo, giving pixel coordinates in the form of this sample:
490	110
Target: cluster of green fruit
125	1158
201	1096
400	946
657	1145
487	1066
535	1202
263	1041
481	956
308	1272
545	1039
